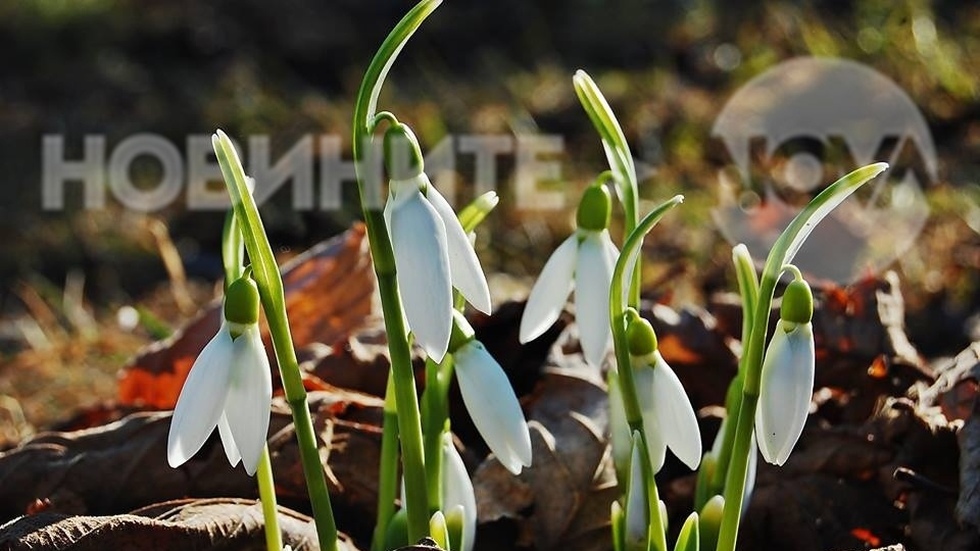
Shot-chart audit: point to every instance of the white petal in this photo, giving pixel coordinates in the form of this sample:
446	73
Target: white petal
750	473
466	272
419	241
785	391
593	273
228	441
676	417
201	399
493	406
550	291
249	396
457	490
656	446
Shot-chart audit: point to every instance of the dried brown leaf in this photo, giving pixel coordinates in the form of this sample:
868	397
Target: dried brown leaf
121	466
227	524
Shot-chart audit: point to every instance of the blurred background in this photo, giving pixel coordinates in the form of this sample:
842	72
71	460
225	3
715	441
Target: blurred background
82	289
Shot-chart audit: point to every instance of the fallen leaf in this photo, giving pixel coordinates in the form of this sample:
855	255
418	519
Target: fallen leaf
231	524
121	466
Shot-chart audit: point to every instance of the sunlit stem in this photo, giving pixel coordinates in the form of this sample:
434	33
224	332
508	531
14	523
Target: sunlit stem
435	423
781	254
631	402
748	289
267	495
233	259
406	399
267	277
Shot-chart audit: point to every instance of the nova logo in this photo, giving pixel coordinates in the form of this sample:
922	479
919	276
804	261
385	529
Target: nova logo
795	129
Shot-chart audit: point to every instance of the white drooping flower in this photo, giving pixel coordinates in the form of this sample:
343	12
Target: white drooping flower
787	376
491	402
432	252
583	262
669	420
228	387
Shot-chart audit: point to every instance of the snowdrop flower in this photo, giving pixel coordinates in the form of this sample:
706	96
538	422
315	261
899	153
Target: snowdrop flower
787	376
458	497
583	262
490	399
229	387
668	417
432	252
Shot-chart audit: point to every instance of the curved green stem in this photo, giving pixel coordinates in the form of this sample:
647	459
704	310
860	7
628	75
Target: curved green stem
617	320
406	399
782	253
267	277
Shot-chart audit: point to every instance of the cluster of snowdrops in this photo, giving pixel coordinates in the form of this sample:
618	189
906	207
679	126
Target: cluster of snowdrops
428	272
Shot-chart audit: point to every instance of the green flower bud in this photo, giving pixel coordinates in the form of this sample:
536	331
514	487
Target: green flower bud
641	339
403	156
595	209
242	302
797	304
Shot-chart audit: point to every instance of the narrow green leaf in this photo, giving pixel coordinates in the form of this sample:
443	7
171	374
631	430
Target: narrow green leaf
263	262
613	139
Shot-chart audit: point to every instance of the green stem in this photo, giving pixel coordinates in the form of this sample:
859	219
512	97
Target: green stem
782	253
388	475
267	277
267	494
406	399
435	417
